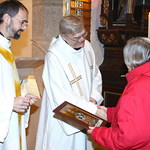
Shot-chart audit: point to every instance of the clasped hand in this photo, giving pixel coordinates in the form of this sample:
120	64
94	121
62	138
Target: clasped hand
21	104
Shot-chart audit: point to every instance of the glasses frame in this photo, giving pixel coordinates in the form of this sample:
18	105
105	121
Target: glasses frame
23	22
84	35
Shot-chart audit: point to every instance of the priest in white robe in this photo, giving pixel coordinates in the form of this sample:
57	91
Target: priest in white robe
14	108
70	74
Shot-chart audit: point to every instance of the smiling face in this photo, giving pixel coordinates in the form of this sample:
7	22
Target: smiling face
17	24
72	30
76	40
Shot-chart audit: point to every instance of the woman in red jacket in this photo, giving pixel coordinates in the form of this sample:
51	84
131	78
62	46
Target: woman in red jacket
130	119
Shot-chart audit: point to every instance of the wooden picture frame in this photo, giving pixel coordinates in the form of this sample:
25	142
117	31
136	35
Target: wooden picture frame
77	117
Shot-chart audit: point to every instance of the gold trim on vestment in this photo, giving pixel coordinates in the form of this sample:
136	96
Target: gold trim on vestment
91	66
7	55
76	79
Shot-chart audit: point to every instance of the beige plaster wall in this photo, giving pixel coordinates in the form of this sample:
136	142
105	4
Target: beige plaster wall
23	46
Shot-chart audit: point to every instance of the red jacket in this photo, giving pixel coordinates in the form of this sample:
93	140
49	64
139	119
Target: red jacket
130	119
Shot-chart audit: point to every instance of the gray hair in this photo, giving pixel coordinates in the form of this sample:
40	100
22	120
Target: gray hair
137	52
71	24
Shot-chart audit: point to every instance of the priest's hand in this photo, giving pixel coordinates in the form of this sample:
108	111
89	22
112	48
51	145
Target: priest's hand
92	100
32	98
102	112
21	104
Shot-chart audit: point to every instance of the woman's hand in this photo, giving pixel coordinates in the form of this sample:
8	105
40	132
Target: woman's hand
89	131
102	112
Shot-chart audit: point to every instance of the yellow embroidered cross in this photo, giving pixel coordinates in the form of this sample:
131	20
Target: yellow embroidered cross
76	79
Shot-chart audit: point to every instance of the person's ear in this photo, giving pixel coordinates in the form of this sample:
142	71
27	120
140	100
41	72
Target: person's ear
63	36
6	19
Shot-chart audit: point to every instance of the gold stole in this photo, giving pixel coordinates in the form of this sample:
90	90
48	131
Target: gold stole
10	59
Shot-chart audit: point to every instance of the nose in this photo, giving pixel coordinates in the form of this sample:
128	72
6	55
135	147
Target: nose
82	38
24	27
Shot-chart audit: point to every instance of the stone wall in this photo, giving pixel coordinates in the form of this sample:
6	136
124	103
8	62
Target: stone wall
45	21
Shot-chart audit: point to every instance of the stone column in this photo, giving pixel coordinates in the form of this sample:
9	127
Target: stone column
46	17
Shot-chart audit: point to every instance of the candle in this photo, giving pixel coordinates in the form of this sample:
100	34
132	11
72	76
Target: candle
149	25
143	2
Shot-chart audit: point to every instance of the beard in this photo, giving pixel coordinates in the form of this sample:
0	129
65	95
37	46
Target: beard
16	35
12	32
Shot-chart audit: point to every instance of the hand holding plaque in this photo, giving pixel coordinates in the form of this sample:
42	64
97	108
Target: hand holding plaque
77	117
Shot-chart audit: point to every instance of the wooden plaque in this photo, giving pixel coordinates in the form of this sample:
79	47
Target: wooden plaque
77	117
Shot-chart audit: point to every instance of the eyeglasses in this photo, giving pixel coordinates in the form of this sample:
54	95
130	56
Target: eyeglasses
23	22
76	39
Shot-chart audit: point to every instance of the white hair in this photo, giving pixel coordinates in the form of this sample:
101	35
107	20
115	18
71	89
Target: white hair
136	52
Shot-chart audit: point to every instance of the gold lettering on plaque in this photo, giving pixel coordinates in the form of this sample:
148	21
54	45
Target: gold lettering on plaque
79	4
79	12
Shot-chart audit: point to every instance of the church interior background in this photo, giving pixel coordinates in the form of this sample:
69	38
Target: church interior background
44	17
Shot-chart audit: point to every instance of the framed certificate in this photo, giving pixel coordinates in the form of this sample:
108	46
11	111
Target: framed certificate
77	117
